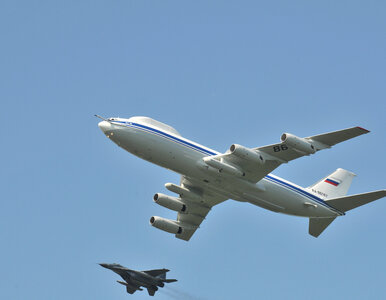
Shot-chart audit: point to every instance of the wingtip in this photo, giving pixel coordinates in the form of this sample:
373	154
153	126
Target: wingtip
363	129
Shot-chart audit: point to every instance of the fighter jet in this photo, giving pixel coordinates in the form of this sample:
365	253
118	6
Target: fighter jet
151	279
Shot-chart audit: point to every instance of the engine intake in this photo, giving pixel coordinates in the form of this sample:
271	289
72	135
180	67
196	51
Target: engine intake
166	225
247	154
170	202
297	143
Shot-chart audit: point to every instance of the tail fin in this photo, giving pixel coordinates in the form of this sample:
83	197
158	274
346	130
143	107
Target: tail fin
334	185
318	225
151	290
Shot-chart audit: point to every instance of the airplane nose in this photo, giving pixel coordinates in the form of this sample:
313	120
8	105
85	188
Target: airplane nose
104	265
104	126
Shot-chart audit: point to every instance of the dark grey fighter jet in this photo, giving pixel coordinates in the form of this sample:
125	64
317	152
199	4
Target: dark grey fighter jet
151	279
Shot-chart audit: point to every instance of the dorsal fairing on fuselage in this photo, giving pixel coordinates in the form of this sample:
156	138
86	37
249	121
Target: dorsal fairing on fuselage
154	124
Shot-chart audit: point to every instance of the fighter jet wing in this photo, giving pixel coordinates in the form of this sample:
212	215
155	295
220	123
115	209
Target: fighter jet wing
198	208
291	147
156	272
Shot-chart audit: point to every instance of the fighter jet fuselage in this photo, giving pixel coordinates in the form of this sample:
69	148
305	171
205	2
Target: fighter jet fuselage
134	280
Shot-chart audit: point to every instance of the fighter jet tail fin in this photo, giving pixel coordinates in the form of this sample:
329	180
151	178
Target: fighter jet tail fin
152	290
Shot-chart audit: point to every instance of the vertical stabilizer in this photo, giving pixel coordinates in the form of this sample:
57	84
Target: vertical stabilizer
334	185
318	225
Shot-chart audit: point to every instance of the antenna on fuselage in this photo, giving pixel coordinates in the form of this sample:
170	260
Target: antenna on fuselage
100	117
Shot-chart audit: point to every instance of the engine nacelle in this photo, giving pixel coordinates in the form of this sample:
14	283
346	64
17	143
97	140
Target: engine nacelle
183	192
223	167
170	202
165	225
247	154
297	143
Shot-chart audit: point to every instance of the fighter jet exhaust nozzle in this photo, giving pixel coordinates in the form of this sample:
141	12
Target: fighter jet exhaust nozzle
299	144
247	154
166	225
170	202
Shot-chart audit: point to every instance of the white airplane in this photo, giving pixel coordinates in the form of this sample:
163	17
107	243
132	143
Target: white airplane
243	174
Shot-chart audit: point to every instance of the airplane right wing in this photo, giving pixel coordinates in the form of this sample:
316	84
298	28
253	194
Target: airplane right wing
194	203
254	164
156	272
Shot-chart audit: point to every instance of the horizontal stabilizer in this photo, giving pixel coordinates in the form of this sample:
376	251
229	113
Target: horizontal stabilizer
318	225
349	202
169	280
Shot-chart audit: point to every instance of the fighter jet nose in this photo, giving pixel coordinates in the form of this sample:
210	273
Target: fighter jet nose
104	265
104	126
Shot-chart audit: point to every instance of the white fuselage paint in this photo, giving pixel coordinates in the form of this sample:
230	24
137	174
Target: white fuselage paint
171	151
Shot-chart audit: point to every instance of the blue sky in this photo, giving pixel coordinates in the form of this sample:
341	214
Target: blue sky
221	73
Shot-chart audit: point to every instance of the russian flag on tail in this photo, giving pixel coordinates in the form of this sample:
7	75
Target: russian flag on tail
333	182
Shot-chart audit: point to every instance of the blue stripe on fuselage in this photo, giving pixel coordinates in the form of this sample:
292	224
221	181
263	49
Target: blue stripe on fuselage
169	136
301	192
208	152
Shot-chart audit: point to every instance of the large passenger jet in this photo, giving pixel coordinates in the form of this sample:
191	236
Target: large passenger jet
209	177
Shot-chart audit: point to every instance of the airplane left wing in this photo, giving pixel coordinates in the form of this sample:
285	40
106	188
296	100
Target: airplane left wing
254	164
194	203
198	208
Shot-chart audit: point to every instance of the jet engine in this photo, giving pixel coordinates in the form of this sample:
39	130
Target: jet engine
165	225
297	143
170	202
247	154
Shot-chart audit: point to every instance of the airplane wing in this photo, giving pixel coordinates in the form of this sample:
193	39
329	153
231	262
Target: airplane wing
156	272
131	288
291	147
198	207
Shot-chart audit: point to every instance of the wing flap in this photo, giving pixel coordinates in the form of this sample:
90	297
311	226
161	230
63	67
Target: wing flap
190	222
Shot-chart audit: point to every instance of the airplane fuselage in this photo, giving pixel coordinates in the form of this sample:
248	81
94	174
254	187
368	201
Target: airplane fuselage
169	150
